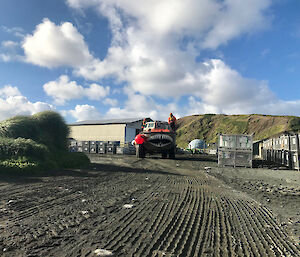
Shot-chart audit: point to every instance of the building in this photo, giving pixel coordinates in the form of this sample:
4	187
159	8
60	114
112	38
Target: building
122	130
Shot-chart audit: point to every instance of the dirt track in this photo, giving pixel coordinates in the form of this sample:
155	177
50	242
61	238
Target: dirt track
179	209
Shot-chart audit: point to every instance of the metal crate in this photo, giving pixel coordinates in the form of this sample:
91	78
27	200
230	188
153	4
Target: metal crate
79	149
235	158
237	142
295	159
111	149
226	158
125	150
113	143
294	143
93	149
86	149
102	149
285	142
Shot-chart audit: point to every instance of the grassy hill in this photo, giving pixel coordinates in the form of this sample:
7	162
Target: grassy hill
208	126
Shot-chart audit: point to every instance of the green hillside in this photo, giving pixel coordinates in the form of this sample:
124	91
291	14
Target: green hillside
208	126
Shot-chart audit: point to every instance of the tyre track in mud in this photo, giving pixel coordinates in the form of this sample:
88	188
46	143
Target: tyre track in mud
189	214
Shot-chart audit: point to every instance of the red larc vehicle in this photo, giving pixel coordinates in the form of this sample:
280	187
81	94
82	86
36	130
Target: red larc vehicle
156	138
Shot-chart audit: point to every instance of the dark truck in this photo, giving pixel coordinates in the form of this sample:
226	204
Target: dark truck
156	138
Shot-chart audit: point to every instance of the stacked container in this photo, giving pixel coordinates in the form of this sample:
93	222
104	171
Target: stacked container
72	145
112	147
79	146
295	148
235	150
127	148
86	146
93	147
284	150
102	147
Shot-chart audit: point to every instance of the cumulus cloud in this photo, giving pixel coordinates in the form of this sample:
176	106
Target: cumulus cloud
8	91
84	112
63	90
155	45
13	103
53	45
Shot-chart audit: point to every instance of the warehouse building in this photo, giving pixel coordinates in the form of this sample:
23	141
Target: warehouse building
122	130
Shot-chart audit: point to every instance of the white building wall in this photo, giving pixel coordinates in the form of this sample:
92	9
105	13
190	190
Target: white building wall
109	132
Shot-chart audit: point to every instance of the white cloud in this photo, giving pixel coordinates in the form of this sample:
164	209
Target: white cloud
13	103
154	47
85	112
9	44
96	92
8	91
53	46
143	106
63	90
16	31
9	51
155	44
110	101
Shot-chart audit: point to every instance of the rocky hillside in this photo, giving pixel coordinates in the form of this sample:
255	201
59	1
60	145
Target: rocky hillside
208	126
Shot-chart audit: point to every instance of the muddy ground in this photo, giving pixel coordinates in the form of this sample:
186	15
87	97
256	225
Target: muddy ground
151	207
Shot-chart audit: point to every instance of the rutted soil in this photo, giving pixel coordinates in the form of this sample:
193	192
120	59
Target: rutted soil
149	207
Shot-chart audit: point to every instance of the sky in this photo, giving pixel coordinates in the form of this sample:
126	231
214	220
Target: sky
103	59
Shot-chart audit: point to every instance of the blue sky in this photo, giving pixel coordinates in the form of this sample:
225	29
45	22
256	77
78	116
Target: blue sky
99	59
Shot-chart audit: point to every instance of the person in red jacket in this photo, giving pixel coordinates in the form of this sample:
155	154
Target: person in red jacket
144	123
172	121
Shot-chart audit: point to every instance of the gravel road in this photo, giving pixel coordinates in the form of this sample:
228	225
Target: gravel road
123	206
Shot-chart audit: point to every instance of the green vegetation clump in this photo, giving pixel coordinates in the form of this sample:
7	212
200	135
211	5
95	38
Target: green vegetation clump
19	126
295	123
36	143
53	131
13	148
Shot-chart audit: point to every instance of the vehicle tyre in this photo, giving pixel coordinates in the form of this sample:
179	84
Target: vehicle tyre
140	151
172	153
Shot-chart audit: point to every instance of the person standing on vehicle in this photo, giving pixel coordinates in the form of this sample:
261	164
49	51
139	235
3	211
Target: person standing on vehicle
144	123
172	121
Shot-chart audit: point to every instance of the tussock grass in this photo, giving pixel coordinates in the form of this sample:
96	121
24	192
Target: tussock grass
36	143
